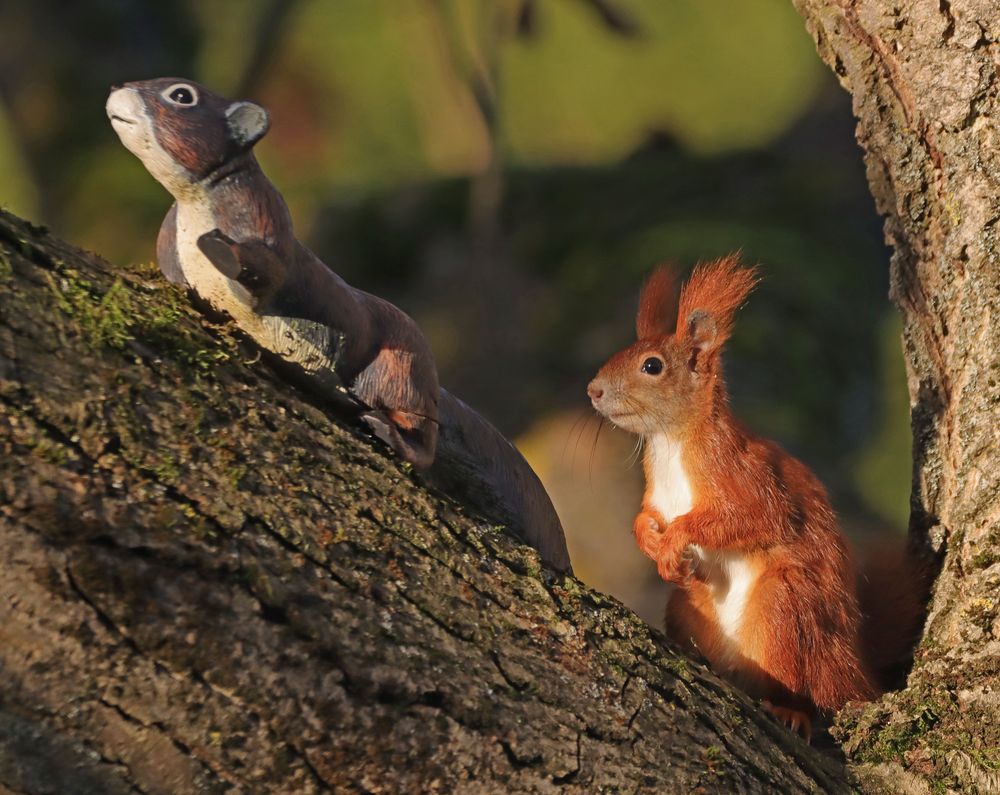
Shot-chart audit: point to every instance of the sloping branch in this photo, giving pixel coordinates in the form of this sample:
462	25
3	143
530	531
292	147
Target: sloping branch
210	584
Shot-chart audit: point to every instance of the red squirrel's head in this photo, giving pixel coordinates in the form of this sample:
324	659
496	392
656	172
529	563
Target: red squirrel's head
666	379
181	131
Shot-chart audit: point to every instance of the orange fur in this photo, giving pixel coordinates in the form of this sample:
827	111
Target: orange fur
657	304
893	588
719	289
770	599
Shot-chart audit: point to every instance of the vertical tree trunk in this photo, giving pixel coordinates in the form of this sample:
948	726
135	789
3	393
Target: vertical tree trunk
925	76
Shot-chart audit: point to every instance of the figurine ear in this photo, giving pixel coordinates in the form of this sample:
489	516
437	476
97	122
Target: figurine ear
247	122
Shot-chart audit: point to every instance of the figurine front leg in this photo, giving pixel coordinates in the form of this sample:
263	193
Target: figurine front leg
252	264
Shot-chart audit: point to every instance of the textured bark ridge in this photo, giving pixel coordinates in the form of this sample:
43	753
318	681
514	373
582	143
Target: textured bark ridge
210	584
925	80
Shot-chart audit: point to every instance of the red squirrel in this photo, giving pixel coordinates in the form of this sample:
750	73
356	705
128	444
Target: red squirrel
229	238
765	581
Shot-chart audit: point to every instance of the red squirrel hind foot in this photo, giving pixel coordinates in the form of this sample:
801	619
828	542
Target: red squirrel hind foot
796	720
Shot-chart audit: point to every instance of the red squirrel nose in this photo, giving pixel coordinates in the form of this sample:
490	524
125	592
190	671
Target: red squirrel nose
595	390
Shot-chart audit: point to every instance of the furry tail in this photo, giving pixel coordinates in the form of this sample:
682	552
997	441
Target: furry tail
893	590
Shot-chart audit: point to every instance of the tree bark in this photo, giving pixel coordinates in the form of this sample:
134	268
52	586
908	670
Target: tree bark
210	584
925	79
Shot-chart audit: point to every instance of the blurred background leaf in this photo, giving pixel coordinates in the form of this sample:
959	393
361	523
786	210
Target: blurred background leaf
508	171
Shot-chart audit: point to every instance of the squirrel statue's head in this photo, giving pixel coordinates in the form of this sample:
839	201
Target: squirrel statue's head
182	132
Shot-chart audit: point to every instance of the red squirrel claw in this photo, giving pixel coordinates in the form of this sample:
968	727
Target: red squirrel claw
766	581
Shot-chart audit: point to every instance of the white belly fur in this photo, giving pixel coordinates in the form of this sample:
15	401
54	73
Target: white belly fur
728	574
671	492
731	578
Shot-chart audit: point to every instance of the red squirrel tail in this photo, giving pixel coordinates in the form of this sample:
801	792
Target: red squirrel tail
893	590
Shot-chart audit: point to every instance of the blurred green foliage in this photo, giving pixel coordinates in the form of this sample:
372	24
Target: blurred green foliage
19	194
368	93
572	93
508	171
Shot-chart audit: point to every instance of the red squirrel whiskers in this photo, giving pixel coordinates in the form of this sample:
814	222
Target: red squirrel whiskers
766	584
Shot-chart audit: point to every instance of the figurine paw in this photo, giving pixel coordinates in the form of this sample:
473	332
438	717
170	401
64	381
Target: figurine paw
220	251
251	263
409	445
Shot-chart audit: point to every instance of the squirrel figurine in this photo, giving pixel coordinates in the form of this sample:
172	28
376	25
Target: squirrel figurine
228	237
765	584
198	145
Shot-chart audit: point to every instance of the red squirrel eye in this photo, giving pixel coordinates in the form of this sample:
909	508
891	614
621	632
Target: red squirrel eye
652	366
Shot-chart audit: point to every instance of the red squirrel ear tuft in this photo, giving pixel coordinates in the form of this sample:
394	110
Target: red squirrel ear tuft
709	301
247	122
657	304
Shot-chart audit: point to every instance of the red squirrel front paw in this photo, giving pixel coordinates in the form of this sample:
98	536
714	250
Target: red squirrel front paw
674	562
649	533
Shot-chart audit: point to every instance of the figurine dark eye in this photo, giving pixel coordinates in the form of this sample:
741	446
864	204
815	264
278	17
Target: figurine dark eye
181	94
652	366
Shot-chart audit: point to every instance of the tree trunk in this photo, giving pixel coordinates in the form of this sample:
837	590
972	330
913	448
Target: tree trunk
925	80
210	584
